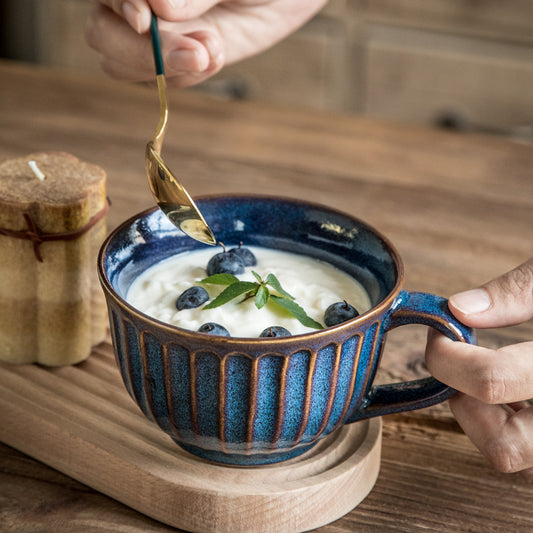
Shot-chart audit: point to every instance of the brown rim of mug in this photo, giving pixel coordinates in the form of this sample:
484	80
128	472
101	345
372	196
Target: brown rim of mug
236	341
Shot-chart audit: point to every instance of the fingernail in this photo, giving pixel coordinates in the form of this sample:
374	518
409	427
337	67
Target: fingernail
132	15
473	301
214	49
188	60
218	59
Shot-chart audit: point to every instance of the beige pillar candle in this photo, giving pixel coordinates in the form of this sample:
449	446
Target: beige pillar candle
52	208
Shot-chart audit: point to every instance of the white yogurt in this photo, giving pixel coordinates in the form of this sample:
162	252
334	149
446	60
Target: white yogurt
314	284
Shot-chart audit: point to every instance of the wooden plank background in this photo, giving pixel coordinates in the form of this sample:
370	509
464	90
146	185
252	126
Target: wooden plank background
458	208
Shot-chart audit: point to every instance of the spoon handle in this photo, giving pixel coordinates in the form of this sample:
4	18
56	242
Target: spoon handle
156	46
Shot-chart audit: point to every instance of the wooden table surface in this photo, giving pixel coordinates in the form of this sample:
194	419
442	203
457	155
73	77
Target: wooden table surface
458	207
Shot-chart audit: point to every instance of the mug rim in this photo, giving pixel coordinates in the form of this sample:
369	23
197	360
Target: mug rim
377	309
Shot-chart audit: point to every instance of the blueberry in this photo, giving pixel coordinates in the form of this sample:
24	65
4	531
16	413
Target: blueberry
339	312
225	263
212	328
191	298
275	331
247	256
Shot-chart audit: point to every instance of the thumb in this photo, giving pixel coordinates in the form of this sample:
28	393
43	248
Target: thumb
504	301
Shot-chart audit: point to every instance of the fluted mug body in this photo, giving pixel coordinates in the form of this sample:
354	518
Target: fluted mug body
249	401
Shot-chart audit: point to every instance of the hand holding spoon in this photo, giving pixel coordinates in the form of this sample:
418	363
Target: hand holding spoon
168	192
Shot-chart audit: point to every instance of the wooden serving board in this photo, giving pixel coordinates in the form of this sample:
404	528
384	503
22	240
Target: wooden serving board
80	420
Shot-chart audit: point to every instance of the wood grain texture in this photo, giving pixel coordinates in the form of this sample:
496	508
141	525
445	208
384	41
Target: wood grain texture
457	207
484	18
483	84
80	420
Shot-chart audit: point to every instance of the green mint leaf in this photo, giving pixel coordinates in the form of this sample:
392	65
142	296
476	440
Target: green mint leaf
295	310
259	290
221	279
232	291
274	282
257	277
261	297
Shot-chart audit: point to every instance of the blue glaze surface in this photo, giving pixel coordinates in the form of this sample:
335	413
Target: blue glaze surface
258	401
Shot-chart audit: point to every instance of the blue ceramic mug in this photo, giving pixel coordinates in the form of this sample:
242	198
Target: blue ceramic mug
246	401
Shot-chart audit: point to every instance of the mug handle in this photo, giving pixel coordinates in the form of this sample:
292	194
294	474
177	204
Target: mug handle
414	308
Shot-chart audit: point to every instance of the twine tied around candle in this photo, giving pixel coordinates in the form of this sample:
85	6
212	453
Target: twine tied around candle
34	234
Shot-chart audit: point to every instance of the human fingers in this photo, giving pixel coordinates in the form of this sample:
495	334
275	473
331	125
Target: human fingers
127	55
174	80
504	301
180	10
247	27
207	41
136	12
502	434
491	376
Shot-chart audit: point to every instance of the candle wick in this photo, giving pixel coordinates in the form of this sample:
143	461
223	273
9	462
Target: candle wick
36	170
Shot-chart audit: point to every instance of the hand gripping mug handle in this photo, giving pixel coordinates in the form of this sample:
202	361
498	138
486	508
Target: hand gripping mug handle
414	308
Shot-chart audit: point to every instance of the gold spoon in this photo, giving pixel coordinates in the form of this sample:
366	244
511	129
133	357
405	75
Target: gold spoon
168	192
